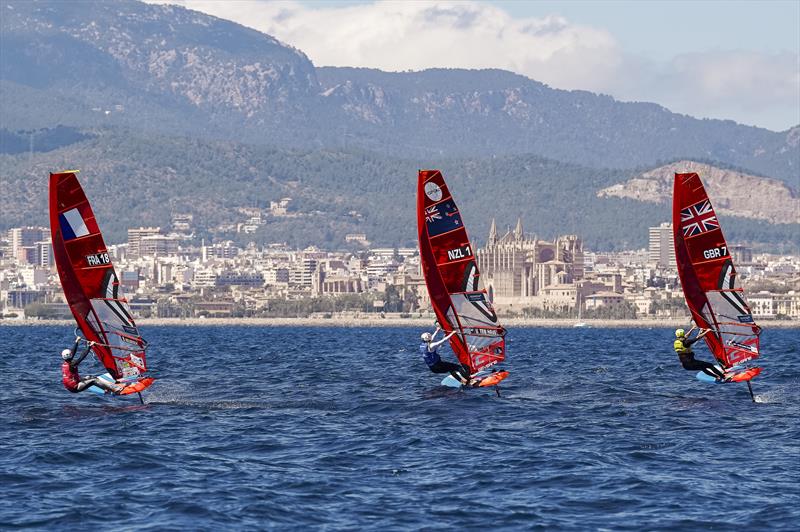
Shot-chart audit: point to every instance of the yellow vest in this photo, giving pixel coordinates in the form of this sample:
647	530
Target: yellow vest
680	348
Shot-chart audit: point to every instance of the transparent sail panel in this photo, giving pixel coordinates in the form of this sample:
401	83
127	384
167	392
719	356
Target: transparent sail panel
121	336
480	331
474	311
736	329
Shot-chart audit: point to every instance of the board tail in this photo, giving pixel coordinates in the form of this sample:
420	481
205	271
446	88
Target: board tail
493	379
137	386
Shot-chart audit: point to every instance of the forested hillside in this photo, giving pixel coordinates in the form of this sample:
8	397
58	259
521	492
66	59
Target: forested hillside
134	180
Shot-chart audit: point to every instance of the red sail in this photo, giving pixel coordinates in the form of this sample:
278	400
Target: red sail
451	274
90	283
708	277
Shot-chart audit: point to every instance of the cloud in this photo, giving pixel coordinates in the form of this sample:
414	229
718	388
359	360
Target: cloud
750	87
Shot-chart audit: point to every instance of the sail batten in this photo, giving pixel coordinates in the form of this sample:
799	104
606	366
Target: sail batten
708	276
448	262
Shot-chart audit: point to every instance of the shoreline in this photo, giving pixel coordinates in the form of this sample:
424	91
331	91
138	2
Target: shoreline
395	322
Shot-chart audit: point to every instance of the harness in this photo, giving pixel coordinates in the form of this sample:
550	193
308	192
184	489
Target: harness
431	357
69	377
681	349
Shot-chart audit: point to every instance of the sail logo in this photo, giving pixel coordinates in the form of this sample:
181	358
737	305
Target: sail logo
743	347
715	253
72	224
459	253
699	218
432	214
433	191
131	341
98	259
442	218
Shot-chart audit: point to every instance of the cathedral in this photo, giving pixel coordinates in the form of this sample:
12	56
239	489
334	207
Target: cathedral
517	268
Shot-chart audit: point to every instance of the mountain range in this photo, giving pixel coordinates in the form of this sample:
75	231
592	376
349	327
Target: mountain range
121	88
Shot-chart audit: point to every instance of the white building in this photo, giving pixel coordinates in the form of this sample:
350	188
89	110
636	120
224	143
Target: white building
661	251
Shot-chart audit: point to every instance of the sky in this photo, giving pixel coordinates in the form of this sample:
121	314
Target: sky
737	60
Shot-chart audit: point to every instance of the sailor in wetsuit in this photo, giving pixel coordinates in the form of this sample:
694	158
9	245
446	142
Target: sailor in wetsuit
69	372
683	347
429	351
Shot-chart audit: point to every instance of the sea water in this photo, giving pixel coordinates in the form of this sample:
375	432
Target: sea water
291	427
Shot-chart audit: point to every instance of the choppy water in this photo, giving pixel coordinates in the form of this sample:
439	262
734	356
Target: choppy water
252	427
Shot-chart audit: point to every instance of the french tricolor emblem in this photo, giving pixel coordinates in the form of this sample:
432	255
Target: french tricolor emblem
72	224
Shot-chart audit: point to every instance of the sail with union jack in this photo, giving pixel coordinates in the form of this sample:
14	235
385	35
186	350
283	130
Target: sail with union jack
698	219
708	276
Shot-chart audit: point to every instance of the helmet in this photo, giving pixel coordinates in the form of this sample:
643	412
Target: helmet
425	337
680	333
66	354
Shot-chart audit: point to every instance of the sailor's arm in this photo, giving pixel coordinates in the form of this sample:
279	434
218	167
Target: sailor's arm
74	348
77	361
434	345
690	341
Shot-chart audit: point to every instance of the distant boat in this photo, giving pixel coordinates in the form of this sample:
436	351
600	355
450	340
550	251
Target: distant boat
91	286
580	323
708	278
458	298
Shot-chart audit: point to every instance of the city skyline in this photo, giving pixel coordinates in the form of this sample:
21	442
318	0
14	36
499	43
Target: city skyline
174	275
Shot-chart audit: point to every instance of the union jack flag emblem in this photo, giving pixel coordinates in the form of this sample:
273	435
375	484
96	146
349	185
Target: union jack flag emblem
432	214
698	218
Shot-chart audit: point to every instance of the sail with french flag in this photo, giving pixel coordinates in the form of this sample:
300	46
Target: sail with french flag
91	286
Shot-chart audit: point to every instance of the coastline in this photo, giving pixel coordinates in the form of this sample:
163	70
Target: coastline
376	321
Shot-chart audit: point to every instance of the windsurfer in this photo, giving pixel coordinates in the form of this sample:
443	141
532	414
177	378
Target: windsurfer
73	381
683	347
429	349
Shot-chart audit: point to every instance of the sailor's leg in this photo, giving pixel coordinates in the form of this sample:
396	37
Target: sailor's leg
690	364
464	374
459	372
103	384
700	365
86	382
714	371
455	370
444	367
438	368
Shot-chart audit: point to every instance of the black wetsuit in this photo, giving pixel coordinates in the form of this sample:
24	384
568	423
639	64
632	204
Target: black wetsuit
690	363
